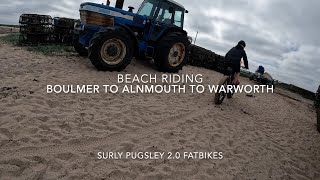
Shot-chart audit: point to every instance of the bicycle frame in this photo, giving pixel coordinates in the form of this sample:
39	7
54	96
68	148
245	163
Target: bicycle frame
226	80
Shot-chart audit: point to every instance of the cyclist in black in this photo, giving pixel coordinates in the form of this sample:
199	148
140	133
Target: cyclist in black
233	59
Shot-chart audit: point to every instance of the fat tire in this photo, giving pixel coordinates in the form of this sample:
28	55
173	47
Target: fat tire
163	50
217	99
95	50
230	95
80	49
251	78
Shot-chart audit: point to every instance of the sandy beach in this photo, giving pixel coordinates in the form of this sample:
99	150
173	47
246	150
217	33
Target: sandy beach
58	136
6	29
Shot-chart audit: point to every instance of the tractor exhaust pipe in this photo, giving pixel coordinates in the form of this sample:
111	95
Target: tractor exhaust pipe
119	4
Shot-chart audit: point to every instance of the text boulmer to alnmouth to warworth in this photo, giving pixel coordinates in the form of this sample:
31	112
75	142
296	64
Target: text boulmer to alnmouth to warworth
157	89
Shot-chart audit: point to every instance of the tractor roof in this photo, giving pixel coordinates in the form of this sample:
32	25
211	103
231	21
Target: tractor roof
174	2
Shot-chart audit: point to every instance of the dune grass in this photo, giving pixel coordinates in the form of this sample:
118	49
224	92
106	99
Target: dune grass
51	49
10	38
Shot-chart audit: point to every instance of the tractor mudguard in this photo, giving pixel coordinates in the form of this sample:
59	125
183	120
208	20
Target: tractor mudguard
85	38
130	32
88	32
170	30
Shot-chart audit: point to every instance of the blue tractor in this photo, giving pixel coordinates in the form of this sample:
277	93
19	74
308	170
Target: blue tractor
111	37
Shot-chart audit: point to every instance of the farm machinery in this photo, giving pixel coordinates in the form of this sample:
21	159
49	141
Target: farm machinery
202	57
111	36
36	28
63	29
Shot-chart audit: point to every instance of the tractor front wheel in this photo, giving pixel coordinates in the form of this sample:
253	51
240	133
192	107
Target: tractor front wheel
111	51
80	49
172	52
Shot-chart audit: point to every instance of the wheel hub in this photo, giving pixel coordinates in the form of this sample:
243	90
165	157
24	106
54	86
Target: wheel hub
112	50
177	54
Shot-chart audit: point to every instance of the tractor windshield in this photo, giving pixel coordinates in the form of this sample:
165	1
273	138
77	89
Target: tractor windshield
170	14
148	7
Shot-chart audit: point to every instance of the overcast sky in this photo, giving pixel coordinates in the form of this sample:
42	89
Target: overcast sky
281	35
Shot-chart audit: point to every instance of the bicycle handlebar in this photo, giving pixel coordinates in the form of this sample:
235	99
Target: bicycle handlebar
244	67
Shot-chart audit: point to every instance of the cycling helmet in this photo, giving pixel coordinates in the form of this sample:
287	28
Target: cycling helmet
242	43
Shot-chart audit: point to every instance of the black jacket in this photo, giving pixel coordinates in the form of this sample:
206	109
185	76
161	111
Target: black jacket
235	54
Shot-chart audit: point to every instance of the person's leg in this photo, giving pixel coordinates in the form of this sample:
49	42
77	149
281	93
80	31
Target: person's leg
236	78
236	74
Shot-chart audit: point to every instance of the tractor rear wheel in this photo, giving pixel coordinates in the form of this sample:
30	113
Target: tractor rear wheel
80	49
111	51
172	52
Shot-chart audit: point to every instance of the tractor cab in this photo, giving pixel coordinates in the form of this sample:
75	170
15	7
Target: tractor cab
166	12
162	16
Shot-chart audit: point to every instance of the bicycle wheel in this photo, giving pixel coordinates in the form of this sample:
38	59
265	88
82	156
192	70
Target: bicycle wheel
230	94
220	95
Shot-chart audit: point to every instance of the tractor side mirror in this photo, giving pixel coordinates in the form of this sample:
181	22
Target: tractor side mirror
170	10
187	11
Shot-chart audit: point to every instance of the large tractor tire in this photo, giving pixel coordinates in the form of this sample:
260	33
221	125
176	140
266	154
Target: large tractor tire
172	52
80	49
111	51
